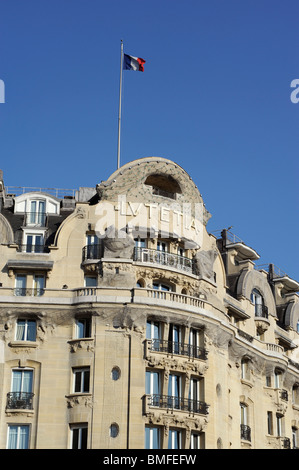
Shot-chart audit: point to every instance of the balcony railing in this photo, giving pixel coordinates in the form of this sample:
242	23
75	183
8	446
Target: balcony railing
33	248
174	347
19	401
23	291
147	255
38	219
177	403
90	252
284	394
245	432
261	311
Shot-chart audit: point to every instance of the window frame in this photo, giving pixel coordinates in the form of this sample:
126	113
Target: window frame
80	381
18	427
78	432
26	333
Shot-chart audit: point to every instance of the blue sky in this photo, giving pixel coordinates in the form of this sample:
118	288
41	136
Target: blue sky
214	97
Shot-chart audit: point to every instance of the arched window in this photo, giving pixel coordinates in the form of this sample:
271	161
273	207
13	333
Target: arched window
163	185
258	301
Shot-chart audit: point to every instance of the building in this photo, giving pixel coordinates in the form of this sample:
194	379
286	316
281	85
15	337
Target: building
125	324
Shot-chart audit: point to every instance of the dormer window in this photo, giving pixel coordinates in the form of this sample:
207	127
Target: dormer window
163	185
258	301
37	213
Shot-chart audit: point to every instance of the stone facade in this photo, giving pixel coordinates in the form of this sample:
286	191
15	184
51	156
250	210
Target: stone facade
125	324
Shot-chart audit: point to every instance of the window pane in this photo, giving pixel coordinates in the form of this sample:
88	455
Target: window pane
31	330
86	381
18	437
20	335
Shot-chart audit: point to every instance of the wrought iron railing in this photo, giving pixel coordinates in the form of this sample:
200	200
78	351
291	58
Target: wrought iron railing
19	400
172	402
90	252
35	219
172	260
24	291
284	394
29	248
261	311
174	347
245	432
286	443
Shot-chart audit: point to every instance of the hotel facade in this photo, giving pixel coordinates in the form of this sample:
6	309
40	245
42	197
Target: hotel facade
125	324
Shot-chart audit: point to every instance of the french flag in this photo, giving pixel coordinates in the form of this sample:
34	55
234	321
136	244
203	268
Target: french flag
133	63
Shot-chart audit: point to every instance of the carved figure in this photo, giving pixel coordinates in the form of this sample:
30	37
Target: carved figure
118	243
204	262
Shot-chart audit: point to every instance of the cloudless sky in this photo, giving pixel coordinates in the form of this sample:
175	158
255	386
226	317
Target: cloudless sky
214	98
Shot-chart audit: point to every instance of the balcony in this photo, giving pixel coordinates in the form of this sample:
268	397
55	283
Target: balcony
171	260
24	291
245	432
92	252
261	311
19	401
28	248
176	403
35	219
172	347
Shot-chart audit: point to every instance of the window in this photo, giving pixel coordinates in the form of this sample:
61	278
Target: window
115	373
175	339
295	438
114	430
195	392
153	386
295	394
21	280
83	328
34	243
90	281
161	286
152	437
270	422
162	250
279	424
163	185
18	437
160	290
174	391
196	440
37	214
195	343
81	380
277	378
258	302
268	381
175	439
140	242
79	436
38	284
93	248
21	396
245	429
153	332
22	380
26	330
245	369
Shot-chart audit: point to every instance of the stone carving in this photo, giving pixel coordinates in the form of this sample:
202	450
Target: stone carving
204	262
118	243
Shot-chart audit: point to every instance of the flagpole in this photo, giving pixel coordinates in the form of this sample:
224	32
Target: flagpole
119	106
